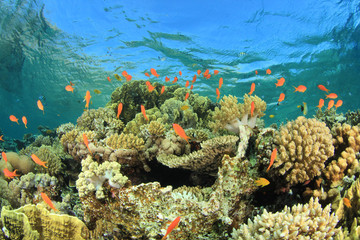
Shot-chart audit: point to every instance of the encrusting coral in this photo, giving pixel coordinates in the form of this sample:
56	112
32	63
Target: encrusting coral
303	147
307	221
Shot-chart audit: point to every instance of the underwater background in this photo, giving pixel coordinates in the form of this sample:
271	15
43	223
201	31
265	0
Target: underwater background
178	163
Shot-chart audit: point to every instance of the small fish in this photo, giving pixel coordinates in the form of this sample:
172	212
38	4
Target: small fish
69	88
271	116
175	80
153	72
143	112
162	90
262	182
48	201
186	96
332	95
180	131
124	73
303	108
347	202
307	182
128	77
24	120
199	72
1	138
97	91
252	88
207	76
180	73
14	119
217	94
194	79
147	74
38	161
322	88
191	87
40	106
3	154
281	98
86	141
87	99
256	72
117	76
221	81
9	174
268	71
187	84
300	88
185	107
172	225
330	104
119	110
216	72
167	79
71	84
108	78
206	72
272	158
252	108
150	87
280	82
321	103
338	103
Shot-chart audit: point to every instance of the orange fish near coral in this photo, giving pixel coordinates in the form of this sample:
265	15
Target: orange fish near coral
217	94
194	79
268	71
322	88
167	79
338	103
187	96
119	110
187	84
180	131
280	82
40	106
332	95
69	88
180	73
24	121
48	201
3	154
252	108
199	72
262	182
273	157
150	87
300	88
191	87
162	90
347	202
321	103
87	99
256	72
124	73
38	161
1	138
128	77
281	98
9	174
171	227
175	80
143	112
108	78
147	74
14	119
86	141
220	82
216	72
252	88
330	104
153	72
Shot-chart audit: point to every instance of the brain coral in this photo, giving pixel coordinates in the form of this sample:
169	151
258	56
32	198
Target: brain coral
304	146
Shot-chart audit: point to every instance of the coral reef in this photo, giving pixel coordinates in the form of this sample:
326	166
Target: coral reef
20	162
174	114
53	162
125	141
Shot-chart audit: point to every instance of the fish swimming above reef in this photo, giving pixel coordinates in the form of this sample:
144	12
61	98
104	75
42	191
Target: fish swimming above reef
303	108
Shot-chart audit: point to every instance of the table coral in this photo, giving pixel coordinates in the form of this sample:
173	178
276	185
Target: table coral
307	221
303	147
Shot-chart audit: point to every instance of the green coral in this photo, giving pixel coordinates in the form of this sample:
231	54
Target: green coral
173	112
53	162
153	114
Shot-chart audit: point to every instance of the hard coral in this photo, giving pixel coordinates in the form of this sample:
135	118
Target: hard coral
125	141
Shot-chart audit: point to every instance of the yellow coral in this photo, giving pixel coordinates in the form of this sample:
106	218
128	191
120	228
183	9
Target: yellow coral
156	128
125	141
304	146
260	106
228	113
69	137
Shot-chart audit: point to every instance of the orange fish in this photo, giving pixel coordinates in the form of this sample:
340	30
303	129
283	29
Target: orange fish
217	94
280	82
48	201
9	174
180	73
206	72
86	141
338	103
3	154
216	72
180	131
323	88
71	84
191	87
220	82
14	119
150	87
143	112
281	98
347	202
187	84
194	79
252	88
147	74
87	99
162	90
128	77
69	88
40	106
268	71
24	121
167	79
171	227
124	73
332	95
153	72
330	104
256	72
108	78
300	88
199	72
38	161
273	157
207	76
262	182
252	108
186	96
1	138
321	103
175	80
119	110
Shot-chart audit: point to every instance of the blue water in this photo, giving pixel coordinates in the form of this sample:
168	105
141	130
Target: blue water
46	44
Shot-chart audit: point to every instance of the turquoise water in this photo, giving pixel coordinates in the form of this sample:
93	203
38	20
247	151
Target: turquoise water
46	44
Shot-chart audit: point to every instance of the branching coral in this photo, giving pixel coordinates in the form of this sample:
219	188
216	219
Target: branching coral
125	141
